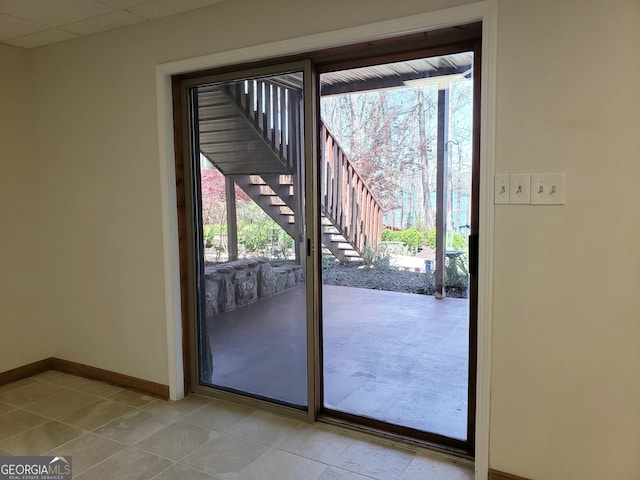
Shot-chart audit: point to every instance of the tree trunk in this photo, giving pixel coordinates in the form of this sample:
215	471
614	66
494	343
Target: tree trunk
424	162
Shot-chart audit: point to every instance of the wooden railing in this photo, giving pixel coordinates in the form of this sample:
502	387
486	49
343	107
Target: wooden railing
274	112
345	197
346	200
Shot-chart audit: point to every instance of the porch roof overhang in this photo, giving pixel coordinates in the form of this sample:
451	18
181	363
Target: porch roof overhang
417	72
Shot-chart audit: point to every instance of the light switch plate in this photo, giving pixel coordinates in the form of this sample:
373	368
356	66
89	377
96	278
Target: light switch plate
501	189
520	189
548	189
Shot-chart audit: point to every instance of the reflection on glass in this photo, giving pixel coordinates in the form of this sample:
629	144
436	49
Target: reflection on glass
392	352
252	332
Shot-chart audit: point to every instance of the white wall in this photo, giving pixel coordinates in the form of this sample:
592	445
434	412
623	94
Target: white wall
95	114
566	377
566	362
24	333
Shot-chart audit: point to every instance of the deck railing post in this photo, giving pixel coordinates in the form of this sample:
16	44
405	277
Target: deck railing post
232	221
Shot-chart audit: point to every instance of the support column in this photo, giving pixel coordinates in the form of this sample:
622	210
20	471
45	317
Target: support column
232	221
441	189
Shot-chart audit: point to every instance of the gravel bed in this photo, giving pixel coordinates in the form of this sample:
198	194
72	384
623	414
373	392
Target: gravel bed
389	279
375	278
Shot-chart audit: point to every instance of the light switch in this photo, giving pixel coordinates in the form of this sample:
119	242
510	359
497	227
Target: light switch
548	189
519	187
501	189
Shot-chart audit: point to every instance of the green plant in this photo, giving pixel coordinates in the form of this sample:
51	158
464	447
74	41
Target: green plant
378	257
429	283
454	240
282	244
412	238
431	238
391	235
254	237
368	256
459	242
383	261
329	261
260	234
457	271
210	232
207	236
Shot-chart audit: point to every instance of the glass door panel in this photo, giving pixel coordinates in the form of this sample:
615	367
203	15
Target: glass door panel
248	172
395	194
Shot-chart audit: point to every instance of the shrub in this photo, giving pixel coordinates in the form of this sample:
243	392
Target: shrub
209	233
431	238
254	237
457	271
378	258
207	236
412	238
283	244
265	237
391	235
459	242
456	241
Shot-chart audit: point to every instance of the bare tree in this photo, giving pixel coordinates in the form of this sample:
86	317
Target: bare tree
460	145
425	109
390	137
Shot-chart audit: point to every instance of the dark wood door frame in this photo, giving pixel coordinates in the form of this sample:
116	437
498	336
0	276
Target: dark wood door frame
432	43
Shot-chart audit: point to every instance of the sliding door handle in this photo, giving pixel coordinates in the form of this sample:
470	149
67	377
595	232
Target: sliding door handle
473	254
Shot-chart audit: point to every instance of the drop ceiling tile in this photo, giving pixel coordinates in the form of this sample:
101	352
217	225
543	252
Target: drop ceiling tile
123	4
54	12
164	8
11	27
39	39
110	21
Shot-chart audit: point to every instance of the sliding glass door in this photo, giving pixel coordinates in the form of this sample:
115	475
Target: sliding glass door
330	231
247	171
396	174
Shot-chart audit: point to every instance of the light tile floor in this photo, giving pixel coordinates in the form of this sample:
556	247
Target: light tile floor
112	433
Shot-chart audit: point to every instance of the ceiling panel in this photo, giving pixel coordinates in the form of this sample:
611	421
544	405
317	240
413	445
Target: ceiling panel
124	4
11	27
111	21
34	23
164	8
39	39
53	12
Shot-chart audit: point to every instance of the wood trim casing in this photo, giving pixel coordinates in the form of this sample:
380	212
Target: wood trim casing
352	54
497	475
25	371
181	206
482	10
132	383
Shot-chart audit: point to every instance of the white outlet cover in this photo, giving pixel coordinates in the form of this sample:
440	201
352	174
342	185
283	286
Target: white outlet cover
501	189
520	191
548	189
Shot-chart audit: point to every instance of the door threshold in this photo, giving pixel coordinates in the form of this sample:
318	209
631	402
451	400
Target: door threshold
442	449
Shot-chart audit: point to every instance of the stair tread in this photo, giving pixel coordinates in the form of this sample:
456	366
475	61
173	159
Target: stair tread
230	136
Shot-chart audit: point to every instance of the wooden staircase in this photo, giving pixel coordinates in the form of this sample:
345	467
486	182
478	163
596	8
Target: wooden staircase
275	195
250	130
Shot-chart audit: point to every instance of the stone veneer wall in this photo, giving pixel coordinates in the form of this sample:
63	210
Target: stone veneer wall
233	284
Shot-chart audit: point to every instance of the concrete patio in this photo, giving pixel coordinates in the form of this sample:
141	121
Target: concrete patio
396	357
